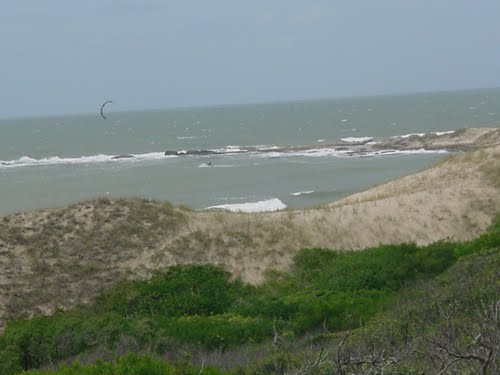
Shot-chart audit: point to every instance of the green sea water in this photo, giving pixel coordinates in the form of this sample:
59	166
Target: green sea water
52	161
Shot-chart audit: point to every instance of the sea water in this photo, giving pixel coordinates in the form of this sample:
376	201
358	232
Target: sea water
53	161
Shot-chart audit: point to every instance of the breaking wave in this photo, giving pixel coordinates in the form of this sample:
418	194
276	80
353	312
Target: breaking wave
346	147
422	134
27	161
296	194
268	205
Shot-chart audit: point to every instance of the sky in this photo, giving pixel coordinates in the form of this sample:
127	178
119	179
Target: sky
69	56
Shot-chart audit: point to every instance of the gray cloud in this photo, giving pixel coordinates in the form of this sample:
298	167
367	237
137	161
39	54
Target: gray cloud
62	56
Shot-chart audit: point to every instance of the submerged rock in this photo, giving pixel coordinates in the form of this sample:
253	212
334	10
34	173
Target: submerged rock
123	156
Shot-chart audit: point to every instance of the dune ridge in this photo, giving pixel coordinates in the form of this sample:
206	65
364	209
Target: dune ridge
59	258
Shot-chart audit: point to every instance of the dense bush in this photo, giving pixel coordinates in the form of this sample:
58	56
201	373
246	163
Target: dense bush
448	324
218	331
488	240
194	290
201	306
344	289
131	365
42	340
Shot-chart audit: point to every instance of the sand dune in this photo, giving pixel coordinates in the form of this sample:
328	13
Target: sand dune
59	258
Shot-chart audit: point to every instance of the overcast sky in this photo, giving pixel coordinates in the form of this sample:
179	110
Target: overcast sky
69	56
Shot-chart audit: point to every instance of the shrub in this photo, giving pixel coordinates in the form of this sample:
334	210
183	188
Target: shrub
200	305
130	364
183	290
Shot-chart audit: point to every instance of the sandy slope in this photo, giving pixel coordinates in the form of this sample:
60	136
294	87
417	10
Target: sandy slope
59	258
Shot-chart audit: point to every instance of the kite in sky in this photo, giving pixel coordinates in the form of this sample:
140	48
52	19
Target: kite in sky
102	108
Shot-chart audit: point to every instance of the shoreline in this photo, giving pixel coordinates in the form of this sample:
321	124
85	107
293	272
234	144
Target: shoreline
58	258
454	140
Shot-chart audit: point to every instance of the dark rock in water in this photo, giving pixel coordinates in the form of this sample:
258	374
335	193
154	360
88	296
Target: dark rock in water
201	152
168	152
123	156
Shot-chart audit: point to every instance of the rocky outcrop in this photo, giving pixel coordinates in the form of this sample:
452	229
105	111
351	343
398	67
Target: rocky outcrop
123	156
458	140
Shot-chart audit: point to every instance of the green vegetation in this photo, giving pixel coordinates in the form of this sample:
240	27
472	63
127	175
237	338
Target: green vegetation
399	304
133	365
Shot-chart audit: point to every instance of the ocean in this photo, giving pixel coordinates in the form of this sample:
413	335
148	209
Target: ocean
53	161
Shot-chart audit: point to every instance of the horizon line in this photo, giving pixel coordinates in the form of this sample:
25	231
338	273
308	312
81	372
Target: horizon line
250	103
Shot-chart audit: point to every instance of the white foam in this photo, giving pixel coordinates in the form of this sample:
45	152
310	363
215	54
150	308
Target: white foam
446	132
315	153
408	135
320	152
266	147
268	205
350	153
356	139
422	134
27	161
320	140
148	156
333	152
403	152
274	154
231	148
344	120
302	193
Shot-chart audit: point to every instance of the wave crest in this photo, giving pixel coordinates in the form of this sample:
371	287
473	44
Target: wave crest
273	204
26	161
